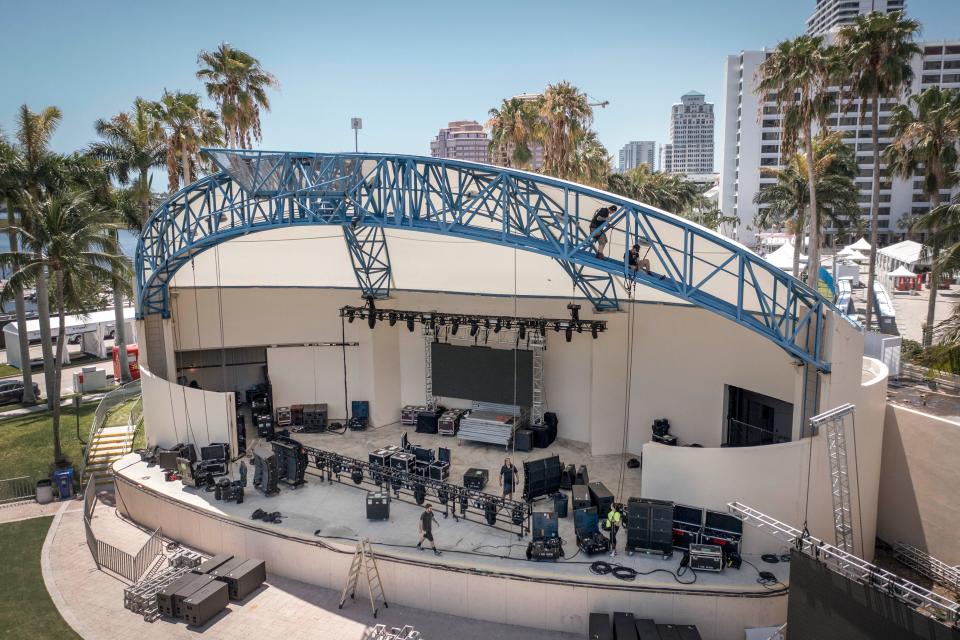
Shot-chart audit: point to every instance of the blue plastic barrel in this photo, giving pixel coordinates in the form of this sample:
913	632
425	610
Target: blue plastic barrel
63	479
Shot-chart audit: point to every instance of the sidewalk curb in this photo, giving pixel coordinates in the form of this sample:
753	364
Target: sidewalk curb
46	569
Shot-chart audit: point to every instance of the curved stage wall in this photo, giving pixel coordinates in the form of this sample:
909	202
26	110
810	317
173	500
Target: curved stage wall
525	595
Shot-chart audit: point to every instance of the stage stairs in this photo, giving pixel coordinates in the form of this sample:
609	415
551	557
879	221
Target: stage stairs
112	433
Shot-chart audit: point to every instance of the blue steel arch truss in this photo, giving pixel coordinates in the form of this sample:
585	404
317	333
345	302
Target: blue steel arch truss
370	194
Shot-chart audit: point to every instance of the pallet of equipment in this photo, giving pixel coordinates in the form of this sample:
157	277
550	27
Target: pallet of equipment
489	427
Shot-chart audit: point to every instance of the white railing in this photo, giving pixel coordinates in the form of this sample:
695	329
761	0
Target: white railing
17	489
108	403
109	557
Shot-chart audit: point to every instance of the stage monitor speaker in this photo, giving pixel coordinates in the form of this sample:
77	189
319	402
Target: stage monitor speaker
523	439
601	498
581	496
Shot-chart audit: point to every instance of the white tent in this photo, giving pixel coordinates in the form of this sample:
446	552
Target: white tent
782	258
92	327
846	251
856	256
860	245
901	272
907	252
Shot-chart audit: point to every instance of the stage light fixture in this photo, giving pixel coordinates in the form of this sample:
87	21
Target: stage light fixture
410	323
542	327
372	320
486	323
392	317
579	327
496	327
523	330
556	327
455	325
506	325
594	330
350	315
474	327
568	332
574	311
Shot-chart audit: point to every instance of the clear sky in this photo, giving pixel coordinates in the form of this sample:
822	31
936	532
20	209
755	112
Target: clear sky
405	67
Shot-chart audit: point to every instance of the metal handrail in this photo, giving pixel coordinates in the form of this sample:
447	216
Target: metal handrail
17	489
775	438
107	403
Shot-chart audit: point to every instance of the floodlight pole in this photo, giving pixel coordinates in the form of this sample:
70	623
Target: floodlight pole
356	124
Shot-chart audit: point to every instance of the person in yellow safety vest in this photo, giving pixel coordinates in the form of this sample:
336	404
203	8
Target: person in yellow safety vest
613	524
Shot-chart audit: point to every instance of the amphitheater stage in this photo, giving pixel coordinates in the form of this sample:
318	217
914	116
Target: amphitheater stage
482	572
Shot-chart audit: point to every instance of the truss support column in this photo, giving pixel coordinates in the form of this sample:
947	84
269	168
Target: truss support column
430	400
370	259
833	422
598	287
537	345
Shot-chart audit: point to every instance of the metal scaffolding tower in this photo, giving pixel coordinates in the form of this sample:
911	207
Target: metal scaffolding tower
834	423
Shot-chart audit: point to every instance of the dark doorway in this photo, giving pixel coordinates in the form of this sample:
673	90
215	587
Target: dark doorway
755	419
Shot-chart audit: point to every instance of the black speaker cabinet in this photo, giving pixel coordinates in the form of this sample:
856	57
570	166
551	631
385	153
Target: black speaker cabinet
523	439
561	504
540	436
582	476
378	506
581	496
205	604
650	526
428	421
646	629
600	627
601	498
623	626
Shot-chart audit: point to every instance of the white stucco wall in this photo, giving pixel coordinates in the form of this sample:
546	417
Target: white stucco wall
682	358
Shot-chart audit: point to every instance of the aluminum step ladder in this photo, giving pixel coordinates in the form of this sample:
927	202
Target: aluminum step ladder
364	560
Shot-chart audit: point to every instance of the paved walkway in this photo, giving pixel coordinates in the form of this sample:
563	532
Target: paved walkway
91	601
26	510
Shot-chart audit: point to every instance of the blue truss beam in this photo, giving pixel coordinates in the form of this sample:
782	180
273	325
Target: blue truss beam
367	194
370	258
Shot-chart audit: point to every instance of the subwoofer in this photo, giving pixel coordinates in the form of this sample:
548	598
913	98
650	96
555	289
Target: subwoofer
650	526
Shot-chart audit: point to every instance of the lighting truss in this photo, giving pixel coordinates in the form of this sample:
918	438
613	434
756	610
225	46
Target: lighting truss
443	323
853	567
264	190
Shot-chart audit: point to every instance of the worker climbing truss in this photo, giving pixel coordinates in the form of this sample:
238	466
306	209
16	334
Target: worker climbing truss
371	195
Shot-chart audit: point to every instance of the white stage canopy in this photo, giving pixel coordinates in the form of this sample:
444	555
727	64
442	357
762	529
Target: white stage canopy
782	258
860	245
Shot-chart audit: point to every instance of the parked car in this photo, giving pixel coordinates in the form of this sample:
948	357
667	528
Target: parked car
76	338
12	391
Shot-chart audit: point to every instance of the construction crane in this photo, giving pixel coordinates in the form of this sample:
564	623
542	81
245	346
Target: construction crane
603	104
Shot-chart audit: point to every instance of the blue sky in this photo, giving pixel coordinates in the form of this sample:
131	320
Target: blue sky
405	67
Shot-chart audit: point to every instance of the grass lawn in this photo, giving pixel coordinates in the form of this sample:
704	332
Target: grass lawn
8	370
26	444
26	611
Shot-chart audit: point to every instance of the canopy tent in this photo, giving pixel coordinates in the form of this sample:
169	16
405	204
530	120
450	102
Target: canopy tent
93	328
846	251
860	245
901	272
782	258
907	252
856	256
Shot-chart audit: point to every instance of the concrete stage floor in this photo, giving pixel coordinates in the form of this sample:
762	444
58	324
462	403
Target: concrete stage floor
337	514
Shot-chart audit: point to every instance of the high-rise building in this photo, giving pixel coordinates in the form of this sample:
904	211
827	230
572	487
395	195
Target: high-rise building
462	140
751	140
690	149
832	14
638	152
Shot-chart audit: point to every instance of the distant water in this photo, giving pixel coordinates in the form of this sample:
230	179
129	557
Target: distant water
128	244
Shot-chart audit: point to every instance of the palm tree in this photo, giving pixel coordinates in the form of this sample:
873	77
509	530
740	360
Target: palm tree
238	84
877	50
11	173
797	74
566	114
788	199
68	240
591	161
132	144
188	127
42	172
925	134
667	191
513	127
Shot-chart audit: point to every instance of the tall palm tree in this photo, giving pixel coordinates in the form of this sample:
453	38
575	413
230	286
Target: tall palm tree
567	115
188	126
513	128
238	84
877	50
797	74
591	161
926	132
788	199
43	172
66	239
11	174
132	144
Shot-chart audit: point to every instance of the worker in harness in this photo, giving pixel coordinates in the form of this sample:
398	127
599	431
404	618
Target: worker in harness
613	524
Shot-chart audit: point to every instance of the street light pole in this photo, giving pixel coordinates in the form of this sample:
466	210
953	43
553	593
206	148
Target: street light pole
356	124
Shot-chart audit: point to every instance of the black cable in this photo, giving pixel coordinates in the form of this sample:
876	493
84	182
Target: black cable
765	578
771	558
629	574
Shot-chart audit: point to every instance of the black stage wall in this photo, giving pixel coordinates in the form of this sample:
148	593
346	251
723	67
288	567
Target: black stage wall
504	376
824	604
